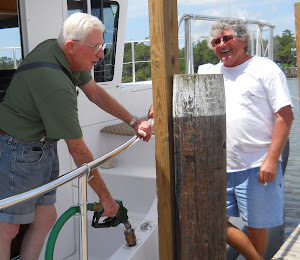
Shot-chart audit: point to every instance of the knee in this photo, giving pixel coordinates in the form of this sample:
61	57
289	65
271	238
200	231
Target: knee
45	217
256	230
51	218
9	231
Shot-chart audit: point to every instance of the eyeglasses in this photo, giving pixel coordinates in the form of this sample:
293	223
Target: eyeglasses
97	48
226	39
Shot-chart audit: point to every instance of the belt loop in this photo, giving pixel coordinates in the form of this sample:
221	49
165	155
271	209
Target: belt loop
10	139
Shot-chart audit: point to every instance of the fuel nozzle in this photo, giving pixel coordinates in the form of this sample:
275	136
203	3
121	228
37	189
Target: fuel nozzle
121	217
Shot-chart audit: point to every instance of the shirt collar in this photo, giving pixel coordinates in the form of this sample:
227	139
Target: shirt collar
62	59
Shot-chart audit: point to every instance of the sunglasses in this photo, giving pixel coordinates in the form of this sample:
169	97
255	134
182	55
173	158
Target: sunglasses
226	39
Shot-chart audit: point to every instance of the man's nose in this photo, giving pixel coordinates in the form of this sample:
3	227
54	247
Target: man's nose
222	42
100	54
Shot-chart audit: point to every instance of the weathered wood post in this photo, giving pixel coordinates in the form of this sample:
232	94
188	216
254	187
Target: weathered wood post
297	26
199	121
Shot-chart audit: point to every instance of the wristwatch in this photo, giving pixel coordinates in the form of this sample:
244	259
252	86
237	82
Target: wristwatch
134	118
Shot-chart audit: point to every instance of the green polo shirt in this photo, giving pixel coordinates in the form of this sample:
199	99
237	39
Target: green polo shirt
43	101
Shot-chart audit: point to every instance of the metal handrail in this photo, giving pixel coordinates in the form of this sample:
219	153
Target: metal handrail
216	18
81	173
13	200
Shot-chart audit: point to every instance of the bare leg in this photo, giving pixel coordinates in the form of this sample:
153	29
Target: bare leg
34	238
7	234
259	239
239	241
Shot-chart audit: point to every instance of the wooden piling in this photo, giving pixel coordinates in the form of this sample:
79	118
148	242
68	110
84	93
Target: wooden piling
297	27
200	166
164	64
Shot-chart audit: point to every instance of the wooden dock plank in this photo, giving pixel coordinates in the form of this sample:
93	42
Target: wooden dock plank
291	248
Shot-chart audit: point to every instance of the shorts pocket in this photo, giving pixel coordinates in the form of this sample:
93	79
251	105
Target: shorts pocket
29	157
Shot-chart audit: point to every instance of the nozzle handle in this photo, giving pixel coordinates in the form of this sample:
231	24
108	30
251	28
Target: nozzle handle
121	217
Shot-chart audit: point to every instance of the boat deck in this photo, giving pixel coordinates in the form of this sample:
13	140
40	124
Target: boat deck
290	250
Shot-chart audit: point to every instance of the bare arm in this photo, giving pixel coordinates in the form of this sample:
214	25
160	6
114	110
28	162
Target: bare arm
281	132
81	154
102	99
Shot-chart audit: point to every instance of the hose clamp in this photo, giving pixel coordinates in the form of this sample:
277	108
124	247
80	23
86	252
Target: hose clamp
89	171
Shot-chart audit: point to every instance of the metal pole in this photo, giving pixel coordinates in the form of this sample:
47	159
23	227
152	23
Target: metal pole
15	58
258	41
133	61
13	200
252	43
189	64
271	50
83	216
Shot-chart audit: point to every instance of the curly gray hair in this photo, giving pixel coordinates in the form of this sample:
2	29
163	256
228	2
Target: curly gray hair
238	28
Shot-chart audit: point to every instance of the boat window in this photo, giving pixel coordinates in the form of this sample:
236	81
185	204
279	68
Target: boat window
108	13
76	6
10	42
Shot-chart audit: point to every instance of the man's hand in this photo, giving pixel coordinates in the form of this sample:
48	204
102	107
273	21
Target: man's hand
281	131
143	129
268	170
110	206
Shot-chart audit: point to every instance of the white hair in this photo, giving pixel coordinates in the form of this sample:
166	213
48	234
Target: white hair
77	26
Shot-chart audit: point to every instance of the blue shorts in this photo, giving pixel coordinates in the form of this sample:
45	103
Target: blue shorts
24	166
260	205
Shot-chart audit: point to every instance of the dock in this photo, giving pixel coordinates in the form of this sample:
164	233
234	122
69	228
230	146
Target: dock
290	250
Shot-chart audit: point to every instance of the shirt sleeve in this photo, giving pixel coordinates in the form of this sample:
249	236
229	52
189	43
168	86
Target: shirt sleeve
84	77
278	92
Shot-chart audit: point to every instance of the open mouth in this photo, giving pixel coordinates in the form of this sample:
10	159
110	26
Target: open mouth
224	52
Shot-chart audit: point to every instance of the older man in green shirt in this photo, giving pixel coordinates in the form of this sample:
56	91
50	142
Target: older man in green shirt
40	107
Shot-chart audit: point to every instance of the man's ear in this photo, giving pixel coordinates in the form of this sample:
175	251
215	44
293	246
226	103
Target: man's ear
70	46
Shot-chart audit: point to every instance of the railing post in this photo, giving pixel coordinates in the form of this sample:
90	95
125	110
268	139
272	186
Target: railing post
133	61
258	40
83	217
271	51
189	56
15	58
252	44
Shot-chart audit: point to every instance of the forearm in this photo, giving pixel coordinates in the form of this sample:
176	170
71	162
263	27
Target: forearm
81	154
280	134
102	99
268	168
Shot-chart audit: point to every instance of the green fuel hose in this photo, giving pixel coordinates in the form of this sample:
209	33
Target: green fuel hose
57	227
121	217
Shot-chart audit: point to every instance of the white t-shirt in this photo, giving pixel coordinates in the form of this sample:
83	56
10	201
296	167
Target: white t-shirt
254	91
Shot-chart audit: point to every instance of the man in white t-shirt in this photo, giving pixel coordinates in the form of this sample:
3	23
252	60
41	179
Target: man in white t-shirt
258	120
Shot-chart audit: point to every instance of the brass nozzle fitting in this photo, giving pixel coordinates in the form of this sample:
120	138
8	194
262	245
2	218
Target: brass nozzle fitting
97	207
130	238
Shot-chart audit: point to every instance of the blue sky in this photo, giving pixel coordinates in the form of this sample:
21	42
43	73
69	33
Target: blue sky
277	12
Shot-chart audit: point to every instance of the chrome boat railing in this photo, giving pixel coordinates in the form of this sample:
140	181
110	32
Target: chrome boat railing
81	173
